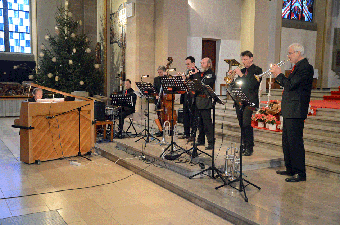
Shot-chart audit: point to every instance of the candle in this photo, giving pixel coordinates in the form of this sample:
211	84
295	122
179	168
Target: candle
66	4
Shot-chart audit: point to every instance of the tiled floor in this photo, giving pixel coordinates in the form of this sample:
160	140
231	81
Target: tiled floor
124	197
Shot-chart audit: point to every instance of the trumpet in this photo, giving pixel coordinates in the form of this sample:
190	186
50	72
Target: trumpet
268	73
230	78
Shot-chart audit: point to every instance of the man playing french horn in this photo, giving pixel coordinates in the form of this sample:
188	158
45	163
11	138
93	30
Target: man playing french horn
249	84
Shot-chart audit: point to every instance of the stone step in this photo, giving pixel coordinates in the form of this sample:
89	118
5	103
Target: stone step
328	153
328	112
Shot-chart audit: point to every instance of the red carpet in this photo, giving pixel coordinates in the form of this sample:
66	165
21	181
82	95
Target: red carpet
335	95
331	104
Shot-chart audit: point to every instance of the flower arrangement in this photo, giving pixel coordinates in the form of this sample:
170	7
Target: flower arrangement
260	117
270	119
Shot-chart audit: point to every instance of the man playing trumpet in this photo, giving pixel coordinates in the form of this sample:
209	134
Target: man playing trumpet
294	108
250	86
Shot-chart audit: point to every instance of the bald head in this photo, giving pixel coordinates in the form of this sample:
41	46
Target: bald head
206	64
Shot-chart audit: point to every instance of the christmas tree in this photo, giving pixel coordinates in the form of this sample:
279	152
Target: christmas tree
68	65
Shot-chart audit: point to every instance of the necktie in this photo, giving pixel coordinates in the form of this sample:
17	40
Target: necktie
125	92
246	72
293	69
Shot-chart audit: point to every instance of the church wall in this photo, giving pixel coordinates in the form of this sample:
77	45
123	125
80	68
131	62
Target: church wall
333	79
305	37
45	20
220	21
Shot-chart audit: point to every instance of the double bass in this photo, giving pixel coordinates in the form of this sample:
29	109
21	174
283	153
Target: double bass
164	105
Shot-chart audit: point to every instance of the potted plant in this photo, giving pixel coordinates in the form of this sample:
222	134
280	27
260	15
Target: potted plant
271	122
260	118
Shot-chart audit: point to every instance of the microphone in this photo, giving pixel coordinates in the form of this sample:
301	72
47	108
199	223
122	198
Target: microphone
144	76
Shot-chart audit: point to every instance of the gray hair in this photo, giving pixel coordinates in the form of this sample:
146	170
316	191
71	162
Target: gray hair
35	90
298	48
162	68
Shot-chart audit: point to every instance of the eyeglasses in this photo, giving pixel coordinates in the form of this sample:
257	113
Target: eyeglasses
290	53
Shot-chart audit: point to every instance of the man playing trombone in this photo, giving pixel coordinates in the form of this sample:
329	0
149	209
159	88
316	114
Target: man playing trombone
250	86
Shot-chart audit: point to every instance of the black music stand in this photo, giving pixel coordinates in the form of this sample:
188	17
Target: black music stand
193	87
241	99
173	86
147	90
122	100
213	169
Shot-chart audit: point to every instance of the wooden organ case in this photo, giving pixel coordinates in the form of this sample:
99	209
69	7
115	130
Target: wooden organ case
51	130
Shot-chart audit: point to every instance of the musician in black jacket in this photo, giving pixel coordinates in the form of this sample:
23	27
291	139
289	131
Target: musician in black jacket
250	87
187	101
127	110
161	70
37	94
294	108
204	104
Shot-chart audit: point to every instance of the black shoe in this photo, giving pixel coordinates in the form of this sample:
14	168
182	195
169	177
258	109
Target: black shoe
194	153
296	178
247	152
191	139
199	144
284	172
159	134
183	137
209	147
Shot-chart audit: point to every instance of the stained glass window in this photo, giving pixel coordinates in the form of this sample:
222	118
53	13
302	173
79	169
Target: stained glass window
2	28
298	10
15	26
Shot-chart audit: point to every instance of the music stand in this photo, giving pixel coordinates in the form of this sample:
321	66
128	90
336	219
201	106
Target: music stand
193	87
173	86
215	99
122	100
241	99
146	89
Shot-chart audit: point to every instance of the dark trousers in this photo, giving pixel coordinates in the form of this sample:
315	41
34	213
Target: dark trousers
188	118
247	131
205	126
293	147
122	115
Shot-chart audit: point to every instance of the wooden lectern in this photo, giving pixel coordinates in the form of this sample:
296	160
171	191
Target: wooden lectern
51	130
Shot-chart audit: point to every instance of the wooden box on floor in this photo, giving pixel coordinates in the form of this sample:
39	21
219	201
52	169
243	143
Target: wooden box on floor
56	137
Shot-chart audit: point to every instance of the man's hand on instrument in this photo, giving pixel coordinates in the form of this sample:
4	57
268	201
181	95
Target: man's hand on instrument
275	70
238	72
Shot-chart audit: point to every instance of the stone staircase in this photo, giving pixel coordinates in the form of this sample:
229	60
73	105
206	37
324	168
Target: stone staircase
321	135
316	94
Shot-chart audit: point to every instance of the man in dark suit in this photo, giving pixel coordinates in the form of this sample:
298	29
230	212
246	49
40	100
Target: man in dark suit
294	108
204	104
161	70
250	87
127	110
187	101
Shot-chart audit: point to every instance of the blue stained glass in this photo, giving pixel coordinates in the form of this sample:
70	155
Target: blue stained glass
10	35
17	43
16	14
1	26
22	49
10	20
16	28
10	5
21	7
1	12
22	36
28	43
12	48
27	29
27	15
1	41
21	23
26	2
